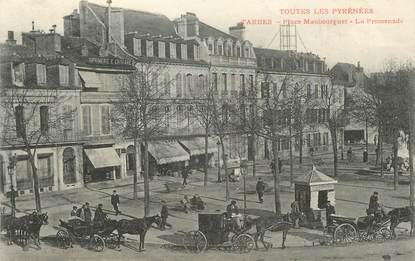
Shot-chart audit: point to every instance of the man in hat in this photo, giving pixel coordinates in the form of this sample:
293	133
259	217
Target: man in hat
115	200
329	211
260	188
86	214
100	216
74	211
232	211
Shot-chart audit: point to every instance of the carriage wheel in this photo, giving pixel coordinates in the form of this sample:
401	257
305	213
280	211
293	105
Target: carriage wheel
383	234
98	243
63	239
195	241
344	234
243	243
111	241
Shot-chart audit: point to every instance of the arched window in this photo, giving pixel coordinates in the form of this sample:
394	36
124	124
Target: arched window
166	84
179	85
188	84
200	83
69	173
130	160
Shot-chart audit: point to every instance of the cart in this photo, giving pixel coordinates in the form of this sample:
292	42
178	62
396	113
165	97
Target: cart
345	230
77	230
218	231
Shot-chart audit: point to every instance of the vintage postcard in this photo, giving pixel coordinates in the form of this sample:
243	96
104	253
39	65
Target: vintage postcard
207	130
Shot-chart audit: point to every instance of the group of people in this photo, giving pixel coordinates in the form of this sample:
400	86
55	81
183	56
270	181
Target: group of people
195	203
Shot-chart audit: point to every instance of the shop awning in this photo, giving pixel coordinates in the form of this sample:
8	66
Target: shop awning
90	79
196	146
167	152
103	157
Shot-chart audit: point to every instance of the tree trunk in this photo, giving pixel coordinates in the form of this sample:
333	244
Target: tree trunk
377	150
300	147
395	164
205	167
333	133
381	152
253	155
35	180
276	175
146	180
137	163
411	147
225	167
291	158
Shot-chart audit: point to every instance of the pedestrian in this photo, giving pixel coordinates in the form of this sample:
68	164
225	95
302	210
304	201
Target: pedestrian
373	203
279	165
365	155
74	211
185	175
115	200
260	188
349	154
330	210
87	215
164	214
375	139
99	217
232	211
295	214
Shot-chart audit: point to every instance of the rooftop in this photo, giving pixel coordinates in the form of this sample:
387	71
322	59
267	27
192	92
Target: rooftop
314	177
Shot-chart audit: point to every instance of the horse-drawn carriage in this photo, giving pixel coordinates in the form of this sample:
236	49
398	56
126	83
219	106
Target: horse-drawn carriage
220	231
97	237
345	230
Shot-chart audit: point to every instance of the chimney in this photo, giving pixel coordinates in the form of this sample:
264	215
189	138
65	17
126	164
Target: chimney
71	24
116	28
10	38
238	31
46	44
187	26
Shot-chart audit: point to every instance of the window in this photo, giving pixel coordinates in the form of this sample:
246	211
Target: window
137	47
105	120
130	160
316	91
67	122
196	52
190	51
247	53
322	91
210	46
238	51
19	117
215	81
251	84
41	74
188	85
242	83
150	49
308	140
162	50
224	83
220	49
86	120
265	90
200	83
167	116
229	50
63	75
166	84
180	116
18	74
184	51
69	174
45	170
233	83
44	119
23	172
173	51
308	91
179	85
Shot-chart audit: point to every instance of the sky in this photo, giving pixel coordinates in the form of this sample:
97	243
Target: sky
371	44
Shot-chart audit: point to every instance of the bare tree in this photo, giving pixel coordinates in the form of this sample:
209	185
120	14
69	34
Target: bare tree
138	113
31	118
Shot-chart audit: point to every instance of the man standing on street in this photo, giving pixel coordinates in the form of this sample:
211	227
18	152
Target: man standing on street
115	200
164	214
373	203
87	213
185	175
260	187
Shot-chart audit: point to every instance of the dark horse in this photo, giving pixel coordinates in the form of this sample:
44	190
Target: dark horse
400	215
34	223
271	223
25	227
138	226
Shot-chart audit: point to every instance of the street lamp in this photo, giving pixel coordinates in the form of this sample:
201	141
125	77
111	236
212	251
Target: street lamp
10	168
219	178
244	168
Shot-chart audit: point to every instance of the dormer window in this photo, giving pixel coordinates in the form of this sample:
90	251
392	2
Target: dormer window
41	74
184	51
63	75
149	49
137	47
162	49
18	74
172	50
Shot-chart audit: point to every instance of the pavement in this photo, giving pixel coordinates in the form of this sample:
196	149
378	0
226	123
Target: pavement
352	193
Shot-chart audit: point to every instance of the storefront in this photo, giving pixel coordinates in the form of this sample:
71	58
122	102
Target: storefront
195	147
100	164
167	157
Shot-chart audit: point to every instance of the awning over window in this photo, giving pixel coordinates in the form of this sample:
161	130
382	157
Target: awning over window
90	79
167	152
103	157
196	146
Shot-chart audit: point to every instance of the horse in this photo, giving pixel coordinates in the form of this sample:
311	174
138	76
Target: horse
138	226
400	215
272	223
35	222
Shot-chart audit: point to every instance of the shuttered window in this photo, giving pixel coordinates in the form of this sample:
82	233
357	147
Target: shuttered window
44	119
105	120
86	120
